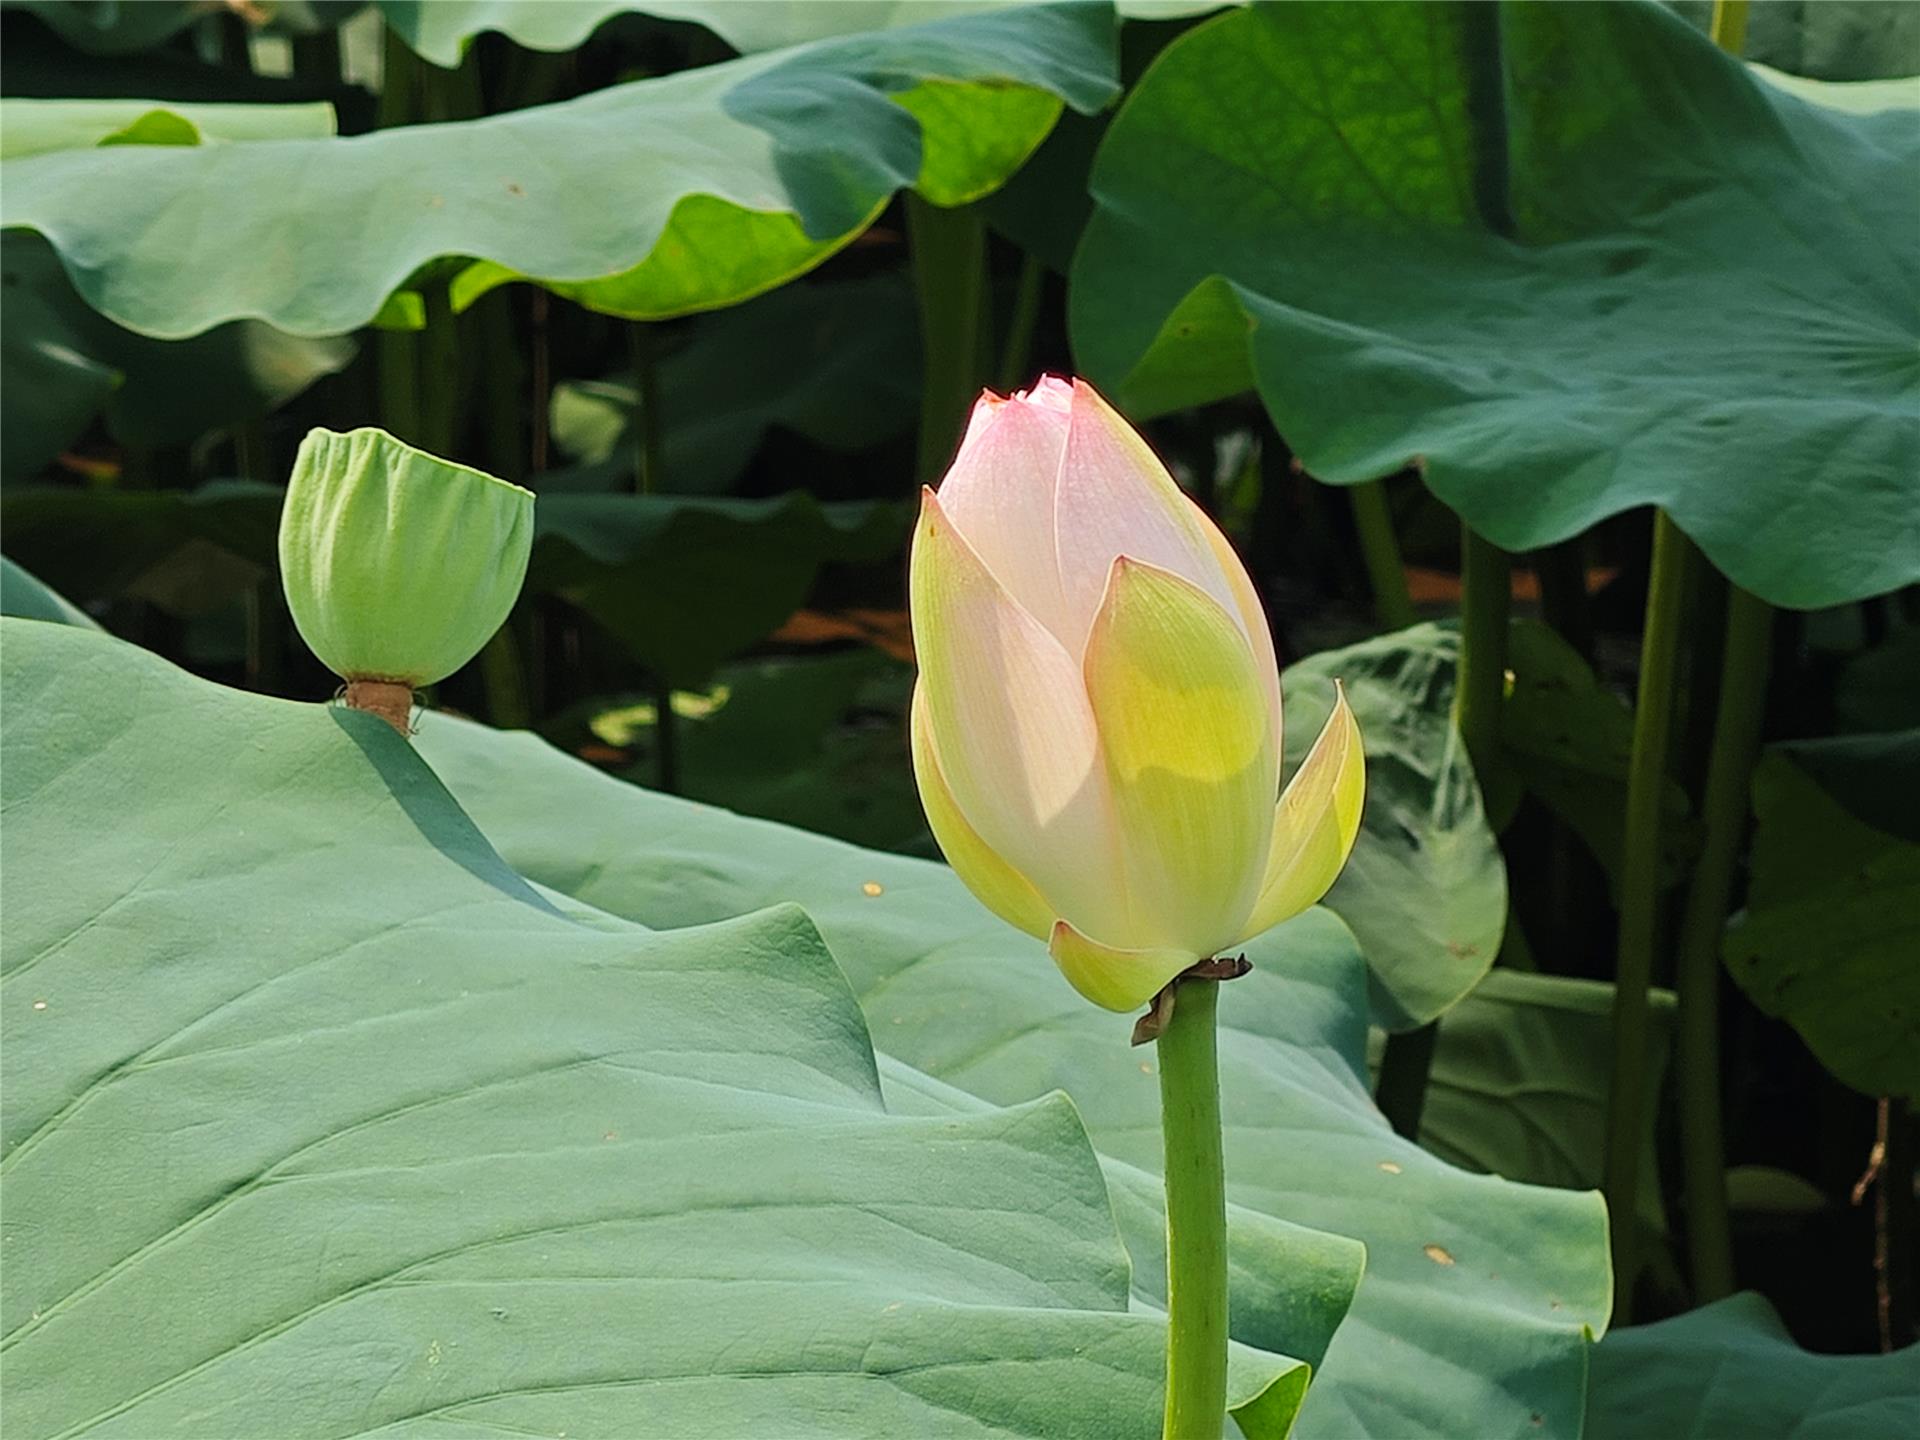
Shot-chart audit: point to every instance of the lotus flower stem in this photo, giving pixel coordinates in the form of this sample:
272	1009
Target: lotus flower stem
1724	807
1196	1215
1627	1116
1392	603
949	271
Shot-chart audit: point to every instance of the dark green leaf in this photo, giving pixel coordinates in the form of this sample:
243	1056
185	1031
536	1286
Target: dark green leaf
1730	1371
1425	890
838	363
1692	289
1566	738
1520	1079
686	582
1832	924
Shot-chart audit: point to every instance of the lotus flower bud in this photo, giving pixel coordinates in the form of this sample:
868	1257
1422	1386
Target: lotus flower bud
1096	726
398	566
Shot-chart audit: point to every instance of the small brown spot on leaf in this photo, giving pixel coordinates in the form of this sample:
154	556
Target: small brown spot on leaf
513	189
1438	1254
872	888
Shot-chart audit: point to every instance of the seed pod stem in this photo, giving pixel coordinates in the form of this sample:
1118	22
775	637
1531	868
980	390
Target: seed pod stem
391	700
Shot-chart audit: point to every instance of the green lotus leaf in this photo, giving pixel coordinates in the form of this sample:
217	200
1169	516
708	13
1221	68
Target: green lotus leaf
1521	1070
837	362
360	1133
685	582
61	365
706	187
24	595
1833	907
1425	890
1660	281
441	29
1479	1295
1730	1369
35	127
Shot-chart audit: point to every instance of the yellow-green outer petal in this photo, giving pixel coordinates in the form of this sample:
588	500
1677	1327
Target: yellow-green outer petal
1115	979
398	565
994	883
1187	737
1315	823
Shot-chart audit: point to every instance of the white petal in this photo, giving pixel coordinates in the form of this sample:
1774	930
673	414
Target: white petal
1116	498
999	495
1008	714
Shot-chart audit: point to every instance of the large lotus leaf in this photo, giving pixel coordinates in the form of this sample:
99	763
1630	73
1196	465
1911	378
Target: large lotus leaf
1425	891
359	1133
1519	1083
1730	1371
685	582
1708	298
1832	924
440	29
837	362
50	388
1479	1294
653	198
34	127
162	392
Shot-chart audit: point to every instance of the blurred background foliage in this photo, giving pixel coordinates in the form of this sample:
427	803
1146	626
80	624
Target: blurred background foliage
718	278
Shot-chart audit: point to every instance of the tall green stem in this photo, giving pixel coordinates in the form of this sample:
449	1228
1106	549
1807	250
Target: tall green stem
1392	604
1486	607
1016	355
1730	25
1627	1110
949	273
1744	655
1196	1216
648	450
1736	742
1405	1067
645	422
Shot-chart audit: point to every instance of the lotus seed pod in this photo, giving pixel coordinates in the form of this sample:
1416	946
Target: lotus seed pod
398	566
